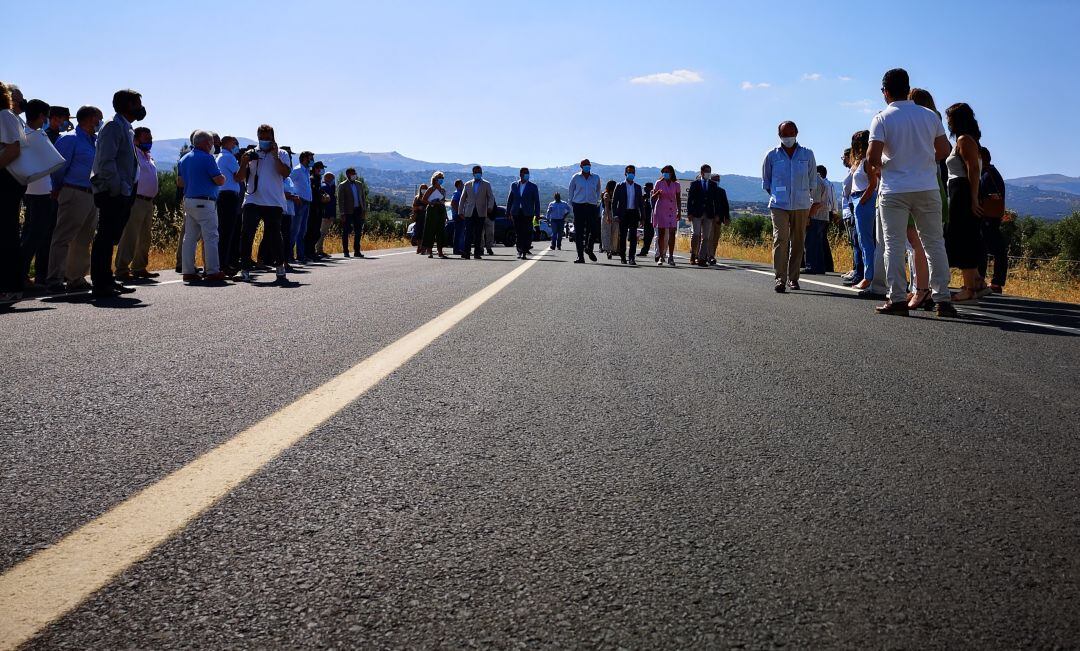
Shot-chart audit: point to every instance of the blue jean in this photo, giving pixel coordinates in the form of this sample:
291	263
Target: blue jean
459	235
556	232
865	217
815	246
298	226
856	251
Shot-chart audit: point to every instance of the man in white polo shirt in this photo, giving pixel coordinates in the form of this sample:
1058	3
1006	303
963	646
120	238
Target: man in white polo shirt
906	141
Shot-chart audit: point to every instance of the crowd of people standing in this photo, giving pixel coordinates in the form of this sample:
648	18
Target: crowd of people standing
911	200
89	209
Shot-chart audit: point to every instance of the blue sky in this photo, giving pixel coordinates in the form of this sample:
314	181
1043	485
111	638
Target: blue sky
549	82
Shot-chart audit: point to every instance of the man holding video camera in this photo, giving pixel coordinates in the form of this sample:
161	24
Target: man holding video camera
264	169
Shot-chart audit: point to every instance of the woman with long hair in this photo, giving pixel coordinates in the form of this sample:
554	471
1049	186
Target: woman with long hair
608	225
435	216
963	235
920	272
418	218
864	184
667	211
11	194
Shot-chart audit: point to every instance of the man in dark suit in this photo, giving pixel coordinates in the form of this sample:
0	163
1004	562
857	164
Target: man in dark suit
626	207
523	205
703	207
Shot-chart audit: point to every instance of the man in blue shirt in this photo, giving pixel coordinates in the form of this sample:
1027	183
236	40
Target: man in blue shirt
585	202
76	214
301	178
114	180
202	179
789	175
228	206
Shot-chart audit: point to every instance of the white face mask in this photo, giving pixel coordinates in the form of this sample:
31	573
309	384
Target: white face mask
788	142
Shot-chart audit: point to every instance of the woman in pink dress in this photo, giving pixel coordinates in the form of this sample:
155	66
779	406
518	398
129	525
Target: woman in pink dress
666	214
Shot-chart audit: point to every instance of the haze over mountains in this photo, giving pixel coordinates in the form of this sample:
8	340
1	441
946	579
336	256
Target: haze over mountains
1049	196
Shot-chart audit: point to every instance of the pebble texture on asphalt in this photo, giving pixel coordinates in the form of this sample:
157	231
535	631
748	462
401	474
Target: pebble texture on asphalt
598	457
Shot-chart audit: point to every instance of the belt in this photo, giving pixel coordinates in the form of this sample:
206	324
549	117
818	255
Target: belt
199	198
856	195
143	196
79	188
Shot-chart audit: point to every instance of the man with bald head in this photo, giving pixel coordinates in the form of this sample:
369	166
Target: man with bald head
202	178
789	176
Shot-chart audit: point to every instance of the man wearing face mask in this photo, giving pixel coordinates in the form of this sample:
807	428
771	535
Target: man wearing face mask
59	123
76	214
264	170
133	252
626	206
585	202
228	206
114	178
351	208
704	209
522	206
301	178
789	175
477	202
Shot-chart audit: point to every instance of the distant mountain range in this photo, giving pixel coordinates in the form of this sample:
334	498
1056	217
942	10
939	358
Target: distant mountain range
1050	196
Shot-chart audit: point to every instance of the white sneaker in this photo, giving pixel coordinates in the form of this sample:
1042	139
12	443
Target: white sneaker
659	262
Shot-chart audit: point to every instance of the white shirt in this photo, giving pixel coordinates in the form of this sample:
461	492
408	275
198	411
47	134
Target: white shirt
631	196
860	180
265	185
909	163
11	130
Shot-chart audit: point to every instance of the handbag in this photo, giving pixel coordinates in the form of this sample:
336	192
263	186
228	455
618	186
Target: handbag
993	206
37	157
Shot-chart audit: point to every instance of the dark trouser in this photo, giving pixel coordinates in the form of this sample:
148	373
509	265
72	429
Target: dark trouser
557	226
646	237
355	224
228	214
460	227
270	216
265	256
995	246
628	228
586	227
523	230
113	213
815	234
37	234
12	274
474	234
314	227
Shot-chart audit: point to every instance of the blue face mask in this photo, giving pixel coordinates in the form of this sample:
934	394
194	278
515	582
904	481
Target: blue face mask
667	176
586	168
67	126
145	146
630	177
265	145
525	177
235	150
477	176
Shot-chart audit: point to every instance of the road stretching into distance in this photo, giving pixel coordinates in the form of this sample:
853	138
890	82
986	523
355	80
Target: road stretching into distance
399	452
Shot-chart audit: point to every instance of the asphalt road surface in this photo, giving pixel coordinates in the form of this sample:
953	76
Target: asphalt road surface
594	457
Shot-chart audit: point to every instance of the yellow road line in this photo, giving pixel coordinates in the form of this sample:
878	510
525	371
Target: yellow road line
55	580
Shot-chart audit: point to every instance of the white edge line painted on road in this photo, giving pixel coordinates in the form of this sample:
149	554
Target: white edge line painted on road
55	580
960	308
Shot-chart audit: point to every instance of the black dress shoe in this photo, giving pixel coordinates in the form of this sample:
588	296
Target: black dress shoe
592	256
899	307
121	289
579	261
347	255
104	292
490	252
779	287
946	309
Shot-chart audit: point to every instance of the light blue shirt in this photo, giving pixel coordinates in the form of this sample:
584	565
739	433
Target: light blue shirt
585	190
301	178
558	210
78	149
229	166
790	181
289	188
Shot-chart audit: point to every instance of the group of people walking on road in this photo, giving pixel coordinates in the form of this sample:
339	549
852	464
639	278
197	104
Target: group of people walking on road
911	199
89	190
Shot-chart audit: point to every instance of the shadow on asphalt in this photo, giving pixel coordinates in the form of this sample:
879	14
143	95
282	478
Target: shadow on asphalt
117	303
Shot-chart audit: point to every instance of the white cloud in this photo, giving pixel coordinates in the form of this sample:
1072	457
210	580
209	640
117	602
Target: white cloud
746	85
844	78
672	78
811	76
860	105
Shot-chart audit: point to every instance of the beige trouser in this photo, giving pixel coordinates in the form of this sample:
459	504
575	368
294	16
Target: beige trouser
714	239
133	252
789	237
324	228
76	222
